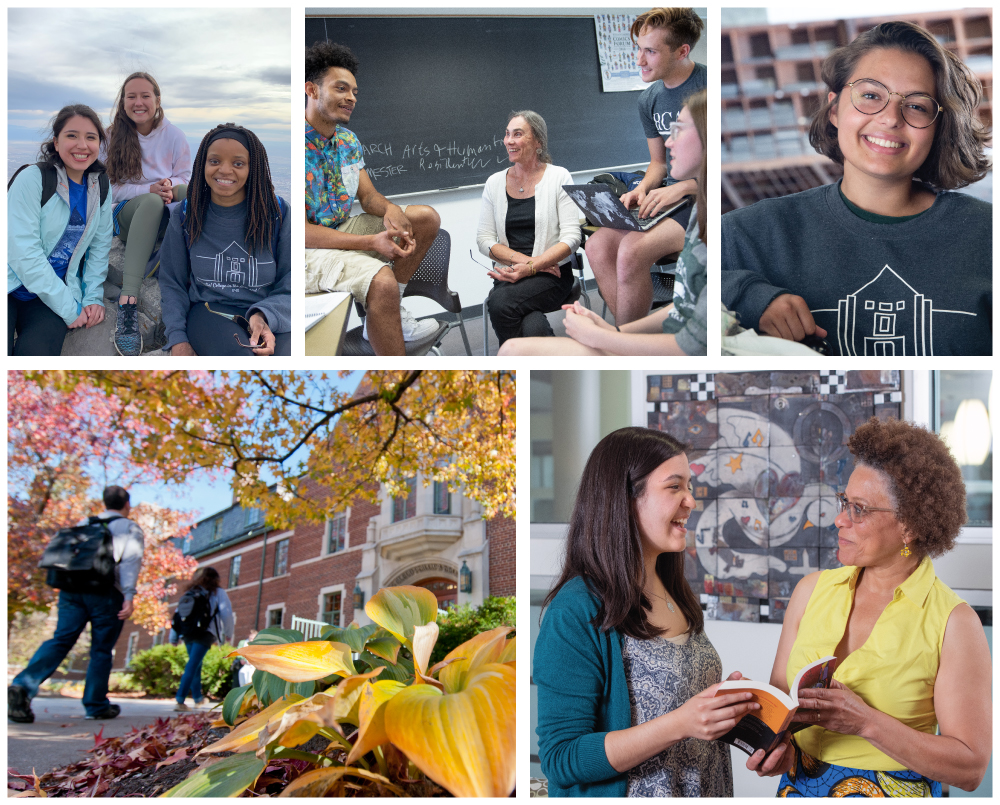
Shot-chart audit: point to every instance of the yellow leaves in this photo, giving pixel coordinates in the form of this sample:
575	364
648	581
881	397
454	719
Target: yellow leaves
371	717
399	610
244	737
463	741
301	662
324	782
486	647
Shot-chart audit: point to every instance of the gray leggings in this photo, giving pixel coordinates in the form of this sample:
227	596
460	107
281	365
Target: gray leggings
140	222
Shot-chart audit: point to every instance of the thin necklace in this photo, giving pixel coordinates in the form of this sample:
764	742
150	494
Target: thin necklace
670	606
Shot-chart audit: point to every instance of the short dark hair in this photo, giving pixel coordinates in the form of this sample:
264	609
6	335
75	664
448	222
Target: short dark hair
925	481
115	498
324	55
604	546
48	152
681	26
957	157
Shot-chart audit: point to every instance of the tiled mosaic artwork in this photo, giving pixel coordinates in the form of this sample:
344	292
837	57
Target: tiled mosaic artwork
768	455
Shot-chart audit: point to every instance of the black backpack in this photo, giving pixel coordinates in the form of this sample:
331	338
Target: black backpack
50	178
193	614
81	559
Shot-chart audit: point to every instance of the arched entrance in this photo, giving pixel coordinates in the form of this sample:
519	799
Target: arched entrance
445	590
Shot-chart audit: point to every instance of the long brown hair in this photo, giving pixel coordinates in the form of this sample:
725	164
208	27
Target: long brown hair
205	577
604	546
48	152
262	204
124	149
697	105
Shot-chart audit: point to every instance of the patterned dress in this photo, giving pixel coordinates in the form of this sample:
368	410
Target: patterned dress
662	675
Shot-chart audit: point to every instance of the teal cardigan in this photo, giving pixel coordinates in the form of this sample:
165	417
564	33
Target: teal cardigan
582	696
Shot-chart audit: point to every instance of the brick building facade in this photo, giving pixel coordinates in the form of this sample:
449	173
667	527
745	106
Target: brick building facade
312	571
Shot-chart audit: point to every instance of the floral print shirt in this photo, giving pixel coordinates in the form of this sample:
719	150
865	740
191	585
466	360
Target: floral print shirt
333	170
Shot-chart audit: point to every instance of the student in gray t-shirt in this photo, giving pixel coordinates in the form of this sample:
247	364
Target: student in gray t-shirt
620	259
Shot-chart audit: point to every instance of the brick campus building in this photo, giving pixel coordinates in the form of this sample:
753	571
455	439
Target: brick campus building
314	571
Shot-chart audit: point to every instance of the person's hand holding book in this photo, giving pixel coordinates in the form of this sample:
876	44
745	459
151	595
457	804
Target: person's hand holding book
836	708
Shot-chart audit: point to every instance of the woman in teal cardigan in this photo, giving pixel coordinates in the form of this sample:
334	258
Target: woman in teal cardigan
626	676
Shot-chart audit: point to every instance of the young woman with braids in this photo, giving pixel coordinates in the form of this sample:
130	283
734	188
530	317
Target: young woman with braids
225	264
149	164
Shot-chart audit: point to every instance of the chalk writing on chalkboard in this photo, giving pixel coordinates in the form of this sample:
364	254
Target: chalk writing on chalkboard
433	157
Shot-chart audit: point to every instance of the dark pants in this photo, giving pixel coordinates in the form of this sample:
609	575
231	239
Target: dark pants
209	334
191	679
39	330
75	611
517	309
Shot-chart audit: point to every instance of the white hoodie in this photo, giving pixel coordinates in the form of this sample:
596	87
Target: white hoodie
165	154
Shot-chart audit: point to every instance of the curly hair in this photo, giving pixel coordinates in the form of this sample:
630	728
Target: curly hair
925	482
957	157
124	148
324	55
48	152
603	545
263	211
680	26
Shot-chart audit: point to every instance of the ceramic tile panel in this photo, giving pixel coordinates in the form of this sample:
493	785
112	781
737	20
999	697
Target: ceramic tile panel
836	468
699	569
791	415
741	522
828	559
661	388
702	525
794	470
742	472
737	384
692	422
792	522
852	411
789	565
704	483
743	422
777	607
828	508
730	608
794	382
743	572
886	380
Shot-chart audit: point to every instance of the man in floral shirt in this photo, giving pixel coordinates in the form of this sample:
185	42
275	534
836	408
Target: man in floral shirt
374	254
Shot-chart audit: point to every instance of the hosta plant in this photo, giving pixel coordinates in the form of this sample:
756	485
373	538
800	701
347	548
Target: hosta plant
387	717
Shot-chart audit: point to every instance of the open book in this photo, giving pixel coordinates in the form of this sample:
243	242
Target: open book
763	729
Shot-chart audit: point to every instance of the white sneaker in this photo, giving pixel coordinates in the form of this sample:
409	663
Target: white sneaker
413	329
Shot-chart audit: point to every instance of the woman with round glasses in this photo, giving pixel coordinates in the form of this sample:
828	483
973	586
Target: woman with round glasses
909	708
888	261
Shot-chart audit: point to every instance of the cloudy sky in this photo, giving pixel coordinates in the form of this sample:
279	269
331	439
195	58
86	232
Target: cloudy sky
213	66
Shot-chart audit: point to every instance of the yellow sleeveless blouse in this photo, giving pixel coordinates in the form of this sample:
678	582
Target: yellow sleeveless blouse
894	671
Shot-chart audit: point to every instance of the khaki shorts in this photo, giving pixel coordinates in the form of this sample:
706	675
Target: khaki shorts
339	270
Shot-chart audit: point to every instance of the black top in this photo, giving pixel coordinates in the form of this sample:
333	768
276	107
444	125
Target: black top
520	224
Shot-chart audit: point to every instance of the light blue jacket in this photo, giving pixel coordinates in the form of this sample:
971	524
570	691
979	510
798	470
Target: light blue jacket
33	232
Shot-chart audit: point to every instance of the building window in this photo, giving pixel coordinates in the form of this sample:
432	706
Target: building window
405	508
275	616
336	530
234	570
442	498
217	529
251	517
281	558
331	609
133	644
962	413
160	637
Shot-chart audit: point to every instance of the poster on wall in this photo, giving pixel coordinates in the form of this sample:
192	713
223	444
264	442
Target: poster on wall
619	71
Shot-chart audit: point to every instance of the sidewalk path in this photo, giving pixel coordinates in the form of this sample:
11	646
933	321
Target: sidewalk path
61	734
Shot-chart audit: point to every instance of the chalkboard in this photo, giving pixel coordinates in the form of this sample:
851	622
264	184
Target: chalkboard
434	94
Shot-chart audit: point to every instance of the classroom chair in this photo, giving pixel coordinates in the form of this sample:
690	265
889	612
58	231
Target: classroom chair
429	280
578	291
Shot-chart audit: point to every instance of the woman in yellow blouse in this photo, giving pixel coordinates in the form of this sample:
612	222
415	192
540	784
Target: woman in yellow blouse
913	655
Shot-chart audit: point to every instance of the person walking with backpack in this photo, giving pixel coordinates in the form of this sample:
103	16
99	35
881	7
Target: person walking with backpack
100	595
204	616
58	237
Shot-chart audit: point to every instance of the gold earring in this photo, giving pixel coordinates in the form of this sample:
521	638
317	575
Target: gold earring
906	550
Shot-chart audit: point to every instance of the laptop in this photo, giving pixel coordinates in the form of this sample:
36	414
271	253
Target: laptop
602	208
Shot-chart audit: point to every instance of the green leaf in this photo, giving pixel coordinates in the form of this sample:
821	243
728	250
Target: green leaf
355	638
273	635
401	609
229	777
401	670
268	687
231	705
304	689
387	647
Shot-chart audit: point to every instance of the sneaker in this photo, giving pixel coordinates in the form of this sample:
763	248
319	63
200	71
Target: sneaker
181	707
413	329
128	339
109	712
19	705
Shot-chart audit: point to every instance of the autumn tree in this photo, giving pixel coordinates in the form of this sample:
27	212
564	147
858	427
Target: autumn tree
61	441
286	435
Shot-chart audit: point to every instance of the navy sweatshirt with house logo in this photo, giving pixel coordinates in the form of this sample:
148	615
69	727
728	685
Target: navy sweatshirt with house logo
919	287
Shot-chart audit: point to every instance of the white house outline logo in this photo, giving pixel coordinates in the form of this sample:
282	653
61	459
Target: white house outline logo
235	267
882	314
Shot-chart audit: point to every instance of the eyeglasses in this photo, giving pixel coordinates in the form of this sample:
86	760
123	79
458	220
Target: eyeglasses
856	511
241	322
870	97
676	128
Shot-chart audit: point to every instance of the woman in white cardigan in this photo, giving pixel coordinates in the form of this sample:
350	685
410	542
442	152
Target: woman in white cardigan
529	227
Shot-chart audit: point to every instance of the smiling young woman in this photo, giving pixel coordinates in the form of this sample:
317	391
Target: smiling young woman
149	164
860	262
